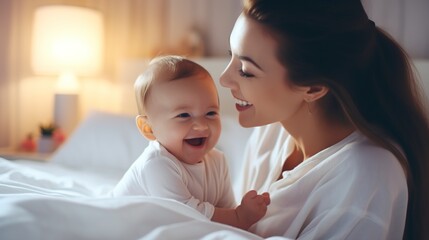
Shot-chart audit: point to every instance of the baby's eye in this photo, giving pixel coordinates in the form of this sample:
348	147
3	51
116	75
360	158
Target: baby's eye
244	74
183	115
212	113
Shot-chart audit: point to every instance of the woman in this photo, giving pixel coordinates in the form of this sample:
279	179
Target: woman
342	146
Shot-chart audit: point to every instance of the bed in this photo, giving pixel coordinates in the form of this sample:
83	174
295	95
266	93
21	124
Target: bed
66	196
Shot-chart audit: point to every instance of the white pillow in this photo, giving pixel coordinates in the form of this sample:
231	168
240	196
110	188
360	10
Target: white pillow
103	140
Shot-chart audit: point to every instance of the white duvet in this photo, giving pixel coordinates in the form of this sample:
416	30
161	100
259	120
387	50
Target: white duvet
65	198
39	205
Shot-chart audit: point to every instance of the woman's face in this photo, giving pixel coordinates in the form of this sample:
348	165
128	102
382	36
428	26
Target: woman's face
258	81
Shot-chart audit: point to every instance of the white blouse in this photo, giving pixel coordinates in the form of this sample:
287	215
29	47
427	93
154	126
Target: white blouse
351	190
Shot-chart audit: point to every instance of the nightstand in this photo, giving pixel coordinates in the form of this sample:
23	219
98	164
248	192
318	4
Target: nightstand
11	154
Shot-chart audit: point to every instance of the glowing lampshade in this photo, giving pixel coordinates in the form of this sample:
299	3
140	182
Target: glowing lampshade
67	39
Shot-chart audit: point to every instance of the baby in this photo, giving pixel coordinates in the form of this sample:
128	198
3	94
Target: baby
178	109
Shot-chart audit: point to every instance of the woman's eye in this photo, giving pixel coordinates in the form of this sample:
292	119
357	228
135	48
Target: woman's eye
244	74
183	115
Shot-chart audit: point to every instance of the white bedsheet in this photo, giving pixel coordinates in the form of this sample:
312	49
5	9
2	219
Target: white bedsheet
20	179
40	205
54	177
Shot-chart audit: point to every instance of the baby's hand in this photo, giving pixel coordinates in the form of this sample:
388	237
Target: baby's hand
253	207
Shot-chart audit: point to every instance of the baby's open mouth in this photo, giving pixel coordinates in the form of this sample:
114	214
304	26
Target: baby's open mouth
196	141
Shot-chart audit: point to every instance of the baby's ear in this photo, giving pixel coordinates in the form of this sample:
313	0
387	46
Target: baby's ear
144	127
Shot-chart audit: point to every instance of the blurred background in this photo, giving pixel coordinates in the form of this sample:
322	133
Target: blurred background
38	89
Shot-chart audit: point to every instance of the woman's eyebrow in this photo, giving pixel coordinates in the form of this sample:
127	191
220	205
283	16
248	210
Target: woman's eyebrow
248	59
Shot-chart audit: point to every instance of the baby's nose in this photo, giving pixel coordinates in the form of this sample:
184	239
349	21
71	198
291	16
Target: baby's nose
200	125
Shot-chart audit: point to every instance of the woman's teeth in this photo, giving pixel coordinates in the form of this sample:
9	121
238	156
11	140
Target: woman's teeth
242	102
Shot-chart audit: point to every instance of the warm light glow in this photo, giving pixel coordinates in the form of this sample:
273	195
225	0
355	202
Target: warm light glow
67	84
67	39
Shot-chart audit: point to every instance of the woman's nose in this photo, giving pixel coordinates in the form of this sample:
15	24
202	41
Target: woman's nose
225	78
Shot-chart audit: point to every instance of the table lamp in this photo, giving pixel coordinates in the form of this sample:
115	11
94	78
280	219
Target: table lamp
67	42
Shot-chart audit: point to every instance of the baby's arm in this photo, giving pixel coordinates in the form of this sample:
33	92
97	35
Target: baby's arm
252	208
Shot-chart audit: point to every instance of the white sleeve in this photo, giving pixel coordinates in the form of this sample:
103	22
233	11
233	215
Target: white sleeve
129	185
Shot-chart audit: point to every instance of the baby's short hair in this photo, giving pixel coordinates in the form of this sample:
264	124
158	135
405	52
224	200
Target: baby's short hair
170	67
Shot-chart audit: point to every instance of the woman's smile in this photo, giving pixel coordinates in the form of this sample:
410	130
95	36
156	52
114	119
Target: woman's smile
242	105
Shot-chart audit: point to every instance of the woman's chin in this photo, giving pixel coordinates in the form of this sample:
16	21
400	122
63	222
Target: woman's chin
246	123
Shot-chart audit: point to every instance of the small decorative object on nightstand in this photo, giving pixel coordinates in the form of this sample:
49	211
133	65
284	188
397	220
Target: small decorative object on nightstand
28	144
50	139
46	143
59	136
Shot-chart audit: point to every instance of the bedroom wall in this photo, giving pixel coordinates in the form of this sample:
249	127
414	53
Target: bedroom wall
138	29
5	85
407	21
135	29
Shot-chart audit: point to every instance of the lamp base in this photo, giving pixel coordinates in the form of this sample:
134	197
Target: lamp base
66	112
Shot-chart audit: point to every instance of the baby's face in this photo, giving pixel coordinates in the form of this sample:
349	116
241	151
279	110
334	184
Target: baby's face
184	115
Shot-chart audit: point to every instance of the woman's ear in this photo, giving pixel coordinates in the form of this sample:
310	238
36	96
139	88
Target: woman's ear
144	127
315	92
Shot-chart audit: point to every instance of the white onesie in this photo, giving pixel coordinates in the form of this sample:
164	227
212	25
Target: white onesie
202	186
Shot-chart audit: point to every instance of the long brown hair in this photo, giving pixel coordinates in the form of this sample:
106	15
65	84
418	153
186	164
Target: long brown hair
371	81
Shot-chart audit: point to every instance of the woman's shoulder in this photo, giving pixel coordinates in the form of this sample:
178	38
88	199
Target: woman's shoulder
364	150
368	161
